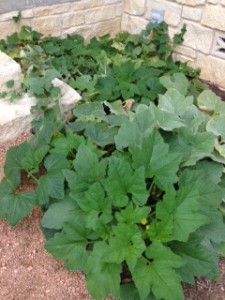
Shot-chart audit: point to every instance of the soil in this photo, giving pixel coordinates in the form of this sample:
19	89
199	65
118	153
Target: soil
28	272
218	91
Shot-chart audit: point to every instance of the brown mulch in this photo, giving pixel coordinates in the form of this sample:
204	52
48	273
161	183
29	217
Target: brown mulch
28	272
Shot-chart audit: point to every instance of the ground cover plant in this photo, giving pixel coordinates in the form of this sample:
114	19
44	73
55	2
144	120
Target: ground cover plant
132	190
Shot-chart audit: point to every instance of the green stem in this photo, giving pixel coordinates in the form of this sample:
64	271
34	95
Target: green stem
151	186
34	178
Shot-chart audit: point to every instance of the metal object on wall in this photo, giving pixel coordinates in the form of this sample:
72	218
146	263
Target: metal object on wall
157	16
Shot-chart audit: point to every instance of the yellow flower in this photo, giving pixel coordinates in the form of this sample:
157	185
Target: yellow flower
56	133
144	221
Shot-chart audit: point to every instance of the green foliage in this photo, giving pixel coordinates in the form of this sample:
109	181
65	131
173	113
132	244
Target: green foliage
17	18
131	196
15	206
10	84
124	67
133	213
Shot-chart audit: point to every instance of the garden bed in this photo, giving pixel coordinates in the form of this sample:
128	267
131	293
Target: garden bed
122	187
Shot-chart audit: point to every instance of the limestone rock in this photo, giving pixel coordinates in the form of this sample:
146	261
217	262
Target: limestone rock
15	118
9	70
70	97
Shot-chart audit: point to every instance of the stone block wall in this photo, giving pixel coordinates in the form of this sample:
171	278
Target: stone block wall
86	17
204	44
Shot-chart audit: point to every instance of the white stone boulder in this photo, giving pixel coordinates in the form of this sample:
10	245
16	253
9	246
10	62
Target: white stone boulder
15	118
9	70
69	98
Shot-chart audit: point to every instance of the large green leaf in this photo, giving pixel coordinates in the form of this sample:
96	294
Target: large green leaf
165	280
210	102
14	207
179	213
216	125
122	180
87	164
166	120
128	291
205	173
132	214
45	129
194	118
141	277
70	245
5	189
214	231
56	161
125	71
95	109
107	88
159	162
174	102
84	82
128	89
77	184
12	165
54	182
96	206
126	244
115	107
100	133
38	84
193	146
177	81
66	144
199	261
19	206
106	273
136	128
219	154
32	158
158	276
50	185
59	213
88	170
